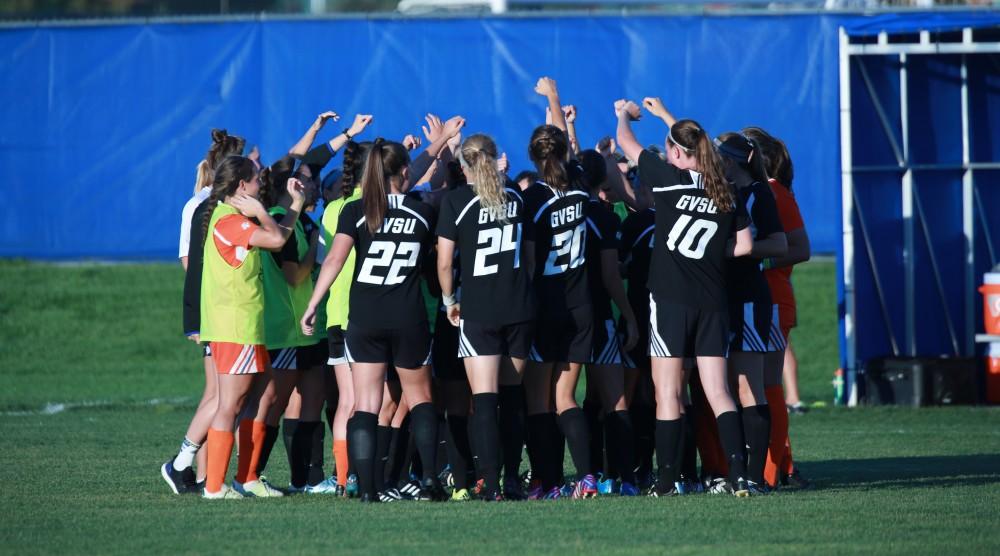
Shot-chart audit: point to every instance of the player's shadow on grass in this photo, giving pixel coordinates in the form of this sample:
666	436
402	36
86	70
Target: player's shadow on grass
906	472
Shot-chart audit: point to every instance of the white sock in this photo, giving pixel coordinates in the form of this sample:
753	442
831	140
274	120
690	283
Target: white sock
185	457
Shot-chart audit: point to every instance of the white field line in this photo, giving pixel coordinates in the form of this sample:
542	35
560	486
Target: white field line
54	408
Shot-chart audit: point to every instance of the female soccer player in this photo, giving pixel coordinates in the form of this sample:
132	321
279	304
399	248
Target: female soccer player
232	307
495	315
555	207
778	272
752	316
388	322
604	370
698	216
177	472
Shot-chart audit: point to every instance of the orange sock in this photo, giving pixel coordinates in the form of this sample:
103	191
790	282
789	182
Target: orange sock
220	448
776	450
341	461
251	445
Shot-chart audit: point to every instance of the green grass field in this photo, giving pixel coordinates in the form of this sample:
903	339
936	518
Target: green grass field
97	387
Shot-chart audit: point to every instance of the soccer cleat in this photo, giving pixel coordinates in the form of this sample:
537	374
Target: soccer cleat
719	485
367	498
431	490
628	489
340	492
535	491
585	488
257	489
605	486
446	477
462	495
199	487
741	489
390	495
526	479
352	486
797	409
174	478
512	491
477	489
225	493
327	486
656	492
410	490
796	480
292	489
755	489
554	493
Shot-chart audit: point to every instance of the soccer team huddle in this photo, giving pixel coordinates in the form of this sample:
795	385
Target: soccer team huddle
440	313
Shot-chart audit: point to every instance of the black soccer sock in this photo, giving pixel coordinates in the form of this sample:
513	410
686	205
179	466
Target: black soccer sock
425	439
301	446
270	437
689	449
511	418
621	444
383	436
668	436
757	430
288	428
397	452
733	445
595	429
644	423
316	455
558	455
573	424
330	412
537	452
352	465
361	445
488	440
440	460
459	451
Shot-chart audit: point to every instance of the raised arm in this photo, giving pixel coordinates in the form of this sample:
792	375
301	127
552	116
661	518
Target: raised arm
639	198
546	87
655	107
627	111
438	134
302	147
569	114
271	235
358	127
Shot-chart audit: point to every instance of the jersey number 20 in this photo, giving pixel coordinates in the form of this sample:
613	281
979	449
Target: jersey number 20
497	240
383	254
699	230
570	242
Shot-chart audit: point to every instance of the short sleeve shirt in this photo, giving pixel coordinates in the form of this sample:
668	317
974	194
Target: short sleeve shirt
232	238
689	248
386	290
496	288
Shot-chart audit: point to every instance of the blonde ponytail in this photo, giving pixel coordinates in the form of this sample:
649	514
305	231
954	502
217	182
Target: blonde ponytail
479	160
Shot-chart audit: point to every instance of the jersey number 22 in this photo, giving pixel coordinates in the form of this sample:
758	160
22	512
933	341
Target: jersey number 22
383	254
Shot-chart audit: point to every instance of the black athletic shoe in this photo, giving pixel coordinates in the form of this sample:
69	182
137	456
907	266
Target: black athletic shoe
796	480
368	498
410	490
175	479
656	491
741	489
190	483
390	495
758	489
512	491
431	490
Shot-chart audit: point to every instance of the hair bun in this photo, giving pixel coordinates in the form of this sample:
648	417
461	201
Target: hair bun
219	135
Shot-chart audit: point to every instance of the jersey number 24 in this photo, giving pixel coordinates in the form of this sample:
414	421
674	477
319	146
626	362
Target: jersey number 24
493	241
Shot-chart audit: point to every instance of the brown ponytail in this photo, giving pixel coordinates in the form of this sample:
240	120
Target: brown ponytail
228	176
777	161
385	160
354	157
689	136
548	149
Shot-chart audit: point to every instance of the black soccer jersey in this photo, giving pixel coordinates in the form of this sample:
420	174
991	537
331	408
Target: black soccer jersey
386	288
192	277
559	225
495	287
746	280
602	233
689	247
635	249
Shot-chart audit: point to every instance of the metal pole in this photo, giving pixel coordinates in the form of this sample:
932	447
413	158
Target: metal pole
968	215
847	213
909	269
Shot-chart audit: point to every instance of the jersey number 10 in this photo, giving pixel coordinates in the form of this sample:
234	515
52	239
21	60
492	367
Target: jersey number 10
493	241
700	231
383	254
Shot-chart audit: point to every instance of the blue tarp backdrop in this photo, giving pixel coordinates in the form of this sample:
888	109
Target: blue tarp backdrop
101	126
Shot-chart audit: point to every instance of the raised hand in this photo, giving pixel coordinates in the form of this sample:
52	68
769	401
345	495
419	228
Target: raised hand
322	118
546	86
411	142
605	147
361	122
433	129
254	156
628	108
503	164
247	205
655	106
569	112
296	190
453	126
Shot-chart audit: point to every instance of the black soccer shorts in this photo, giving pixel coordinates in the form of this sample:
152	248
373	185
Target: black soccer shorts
476	339
564	337
406	348
755	328
607	349
679	330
